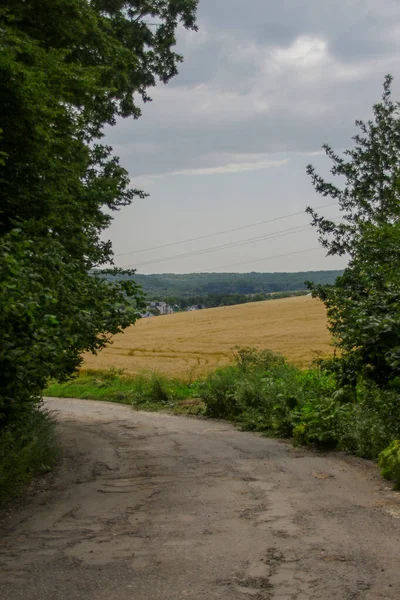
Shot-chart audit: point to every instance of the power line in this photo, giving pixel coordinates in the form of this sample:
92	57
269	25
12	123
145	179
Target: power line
203	237
252	240
259	260
227	246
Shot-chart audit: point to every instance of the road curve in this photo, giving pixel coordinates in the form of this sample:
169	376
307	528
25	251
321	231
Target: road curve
158	507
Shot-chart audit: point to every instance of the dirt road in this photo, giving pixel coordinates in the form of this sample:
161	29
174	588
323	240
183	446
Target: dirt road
156	507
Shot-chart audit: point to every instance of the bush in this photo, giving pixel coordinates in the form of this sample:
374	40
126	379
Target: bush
268	398
374	421
389	461
317	419
248	390
265	393
152	389
217	393
320	421
28	447
252	358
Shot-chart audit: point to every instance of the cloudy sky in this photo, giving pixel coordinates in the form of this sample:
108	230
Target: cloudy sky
225	145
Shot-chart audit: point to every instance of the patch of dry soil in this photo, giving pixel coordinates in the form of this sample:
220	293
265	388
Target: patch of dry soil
157	507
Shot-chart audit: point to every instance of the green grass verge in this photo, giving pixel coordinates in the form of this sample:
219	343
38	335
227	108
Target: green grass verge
27	448
146	391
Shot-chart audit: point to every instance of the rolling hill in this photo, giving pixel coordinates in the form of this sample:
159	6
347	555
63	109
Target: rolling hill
194	343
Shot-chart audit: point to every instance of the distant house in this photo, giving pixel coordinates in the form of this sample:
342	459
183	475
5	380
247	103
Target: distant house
162	307
195	307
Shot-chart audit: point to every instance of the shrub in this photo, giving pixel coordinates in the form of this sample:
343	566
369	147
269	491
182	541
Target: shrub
263	392
318	418
320	421
374	421
252	358
389	461
27	447
268	399
152	389
217	392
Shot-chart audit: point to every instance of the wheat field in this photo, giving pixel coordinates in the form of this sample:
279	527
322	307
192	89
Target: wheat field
194	343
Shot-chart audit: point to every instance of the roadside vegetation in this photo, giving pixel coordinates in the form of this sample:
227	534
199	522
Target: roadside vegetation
28	447
145	391
261	391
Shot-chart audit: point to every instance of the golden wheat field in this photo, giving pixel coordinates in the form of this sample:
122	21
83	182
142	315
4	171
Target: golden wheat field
193	343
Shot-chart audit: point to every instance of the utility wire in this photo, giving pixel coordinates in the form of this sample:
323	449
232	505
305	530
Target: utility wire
203	237
258	260
227	246
245	242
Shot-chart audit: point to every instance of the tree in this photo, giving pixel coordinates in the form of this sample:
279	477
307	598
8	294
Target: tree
68	68
364	304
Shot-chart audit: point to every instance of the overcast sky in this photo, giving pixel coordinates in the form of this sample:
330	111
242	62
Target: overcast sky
264	84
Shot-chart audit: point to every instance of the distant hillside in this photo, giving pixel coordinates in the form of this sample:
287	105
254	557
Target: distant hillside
200	284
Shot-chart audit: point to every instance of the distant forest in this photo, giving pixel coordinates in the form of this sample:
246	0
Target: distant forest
222	289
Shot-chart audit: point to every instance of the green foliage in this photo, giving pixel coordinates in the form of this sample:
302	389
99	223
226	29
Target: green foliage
364	304
68	68
153	389
264	393
254	359
216	300
218	393
28	447
48	316
373	421
389	461
320	421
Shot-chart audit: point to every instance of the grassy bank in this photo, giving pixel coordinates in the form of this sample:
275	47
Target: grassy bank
146	391
260	391
27	448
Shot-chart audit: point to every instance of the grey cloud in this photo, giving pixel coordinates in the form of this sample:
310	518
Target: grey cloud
322	114
230	72
271	22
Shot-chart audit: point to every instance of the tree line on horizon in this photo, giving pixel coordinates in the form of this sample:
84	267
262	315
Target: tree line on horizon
202	284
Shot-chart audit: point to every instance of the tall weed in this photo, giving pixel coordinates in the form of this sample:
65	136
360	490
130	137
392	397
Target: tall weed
374	421
264	393
28	447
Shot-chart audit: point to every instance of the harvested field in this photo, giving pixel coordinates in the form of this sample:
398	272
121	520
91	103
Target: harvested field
193	343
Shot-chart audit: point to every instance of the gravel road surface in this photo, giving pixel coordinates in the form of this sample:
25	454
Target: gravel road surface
151	506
